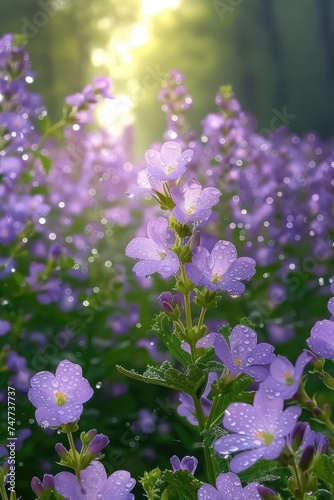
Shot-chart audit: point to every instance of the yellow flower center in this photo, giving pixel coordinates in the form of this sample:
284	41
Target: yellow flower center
162	255
190	210
216	278
287	376
265	437
60	398
237	361
170	169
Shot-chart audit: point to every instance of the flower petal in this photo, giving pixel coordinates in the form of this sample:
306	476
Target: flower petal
208	492
118	485
235	442
229	485
288	421
241	417
72	383
245	459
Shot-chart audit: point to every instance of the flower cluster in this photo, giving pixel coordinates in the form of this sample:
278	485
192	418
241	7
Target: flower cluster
162	251
58	399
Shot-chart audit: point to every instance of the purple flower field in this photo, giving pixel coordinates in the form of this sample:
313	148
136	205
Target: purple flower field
166	326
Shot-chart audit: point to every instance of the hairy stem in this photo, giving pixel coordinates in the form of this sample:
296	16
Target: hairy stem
73	450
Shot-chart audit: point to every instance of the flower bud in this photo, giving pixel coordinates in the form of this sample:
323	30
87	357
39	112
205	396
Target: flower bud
48	482
297	435
317	412
194	240
321	443
97	444
168	302
61	450
86	437
5	466
55	251
36	486
267	493
306	457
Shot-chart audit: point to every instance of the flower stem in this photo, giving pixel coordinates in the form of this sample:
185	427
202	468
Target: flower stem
201	317
207	454
3	492
197	402
297	478
74	454
49	131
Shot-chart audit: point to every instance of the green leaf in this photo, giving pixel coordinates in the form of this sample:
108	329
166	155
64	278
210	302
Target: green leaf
183	484
322	494
236	392
263	471
148	482
45	123
46	163
45	160
226	332
162	328
26	177
324	470
247	322
215	366
166	375
66	262
205	355
212	434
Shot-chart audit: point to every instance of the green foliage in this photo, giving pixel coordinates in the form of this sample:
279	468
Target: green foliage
324	470
149	481
225	395
180	485
169	485
162	327
166	375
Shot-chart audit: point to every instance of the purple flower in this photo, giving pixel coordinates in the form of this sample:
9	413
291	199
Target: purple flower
170	163
169	301
145	184
220	270
25	206
39	487
284	378
154	251
228	487
331	286
7	231
5	327
204	343
95	484
322	339
192	202
58	398
15	123
187	463
102	85
260	429
186	407
244	353
49	291
97	444
20	380
302	437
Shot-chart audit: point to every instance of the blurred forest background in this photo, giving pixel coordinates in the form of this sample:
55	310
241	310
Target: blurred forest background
277	54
